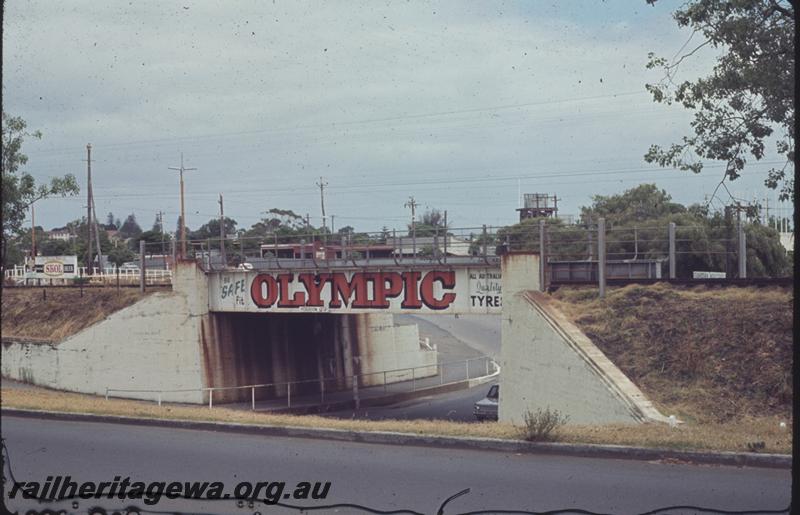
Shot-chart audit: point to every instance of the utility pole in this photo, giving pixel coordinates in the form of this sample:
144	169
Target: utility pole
222	232
413	205
322	185
97	238
33	234
182	169
161	227
89	208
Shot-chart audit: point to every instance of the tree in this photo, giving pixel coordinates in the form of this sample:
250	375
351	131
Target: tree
432	223
130	229
644	202
637	223
55	248
748	95
119	255
152	241
210	231
19	189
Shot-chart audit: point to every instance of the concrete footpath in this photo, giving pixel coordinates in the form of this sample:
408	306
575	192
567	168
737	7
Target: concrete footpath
451	442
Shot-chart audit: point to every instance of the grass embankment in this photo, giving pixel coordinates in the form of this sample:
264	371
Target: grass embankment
731	436
704	354
53	314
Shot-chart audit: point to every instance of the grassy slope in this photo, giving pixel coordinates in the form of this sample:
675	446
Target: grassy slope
26	314
730	436
706	354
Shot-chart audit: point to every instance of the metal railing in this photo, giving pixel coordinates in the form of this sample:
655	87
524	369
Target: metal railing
108	276
372	384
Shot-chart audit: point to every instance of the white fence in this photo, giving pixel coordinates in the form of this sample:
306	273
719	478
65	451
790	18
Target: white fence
111	275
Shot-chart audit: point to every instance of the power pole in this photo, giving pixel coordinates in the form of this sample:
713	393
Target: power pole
322	185
97	238
222	232
33	234
182	169
89	208
161	226
413	205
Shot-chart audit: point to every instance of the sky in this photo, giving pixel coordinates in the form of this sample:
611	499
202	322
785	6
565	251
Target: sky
462	105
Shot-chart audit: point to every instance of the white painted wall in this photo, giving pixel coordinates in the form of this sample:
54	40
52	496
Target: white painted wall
547	362
152	344
391	347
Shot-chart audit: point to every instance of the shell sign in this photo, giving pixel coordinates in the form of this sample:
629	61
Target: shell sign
54	268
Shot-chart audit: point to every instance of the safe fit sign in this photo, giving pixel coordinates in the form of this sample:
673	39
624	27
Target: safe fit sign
413	291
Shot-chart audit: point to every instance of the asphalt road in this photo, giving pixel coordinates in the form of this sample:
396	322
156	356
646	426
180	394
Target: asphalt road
457	339
381	477
481	332
448	406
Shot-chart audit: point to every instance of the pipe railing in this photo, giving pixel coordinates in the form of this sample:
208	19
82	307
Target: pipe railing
404	377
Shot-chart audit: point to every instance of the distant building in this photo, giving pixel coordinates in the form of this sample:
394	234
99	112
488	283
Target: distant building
60	233
787	240
453	246
393	247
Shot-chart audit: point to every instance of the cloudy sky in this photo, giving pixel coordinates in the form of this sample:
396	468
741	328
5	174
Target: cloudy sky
460	104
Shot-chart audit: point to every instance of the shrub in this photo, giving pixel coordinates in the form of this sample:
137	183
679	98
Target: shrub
542	425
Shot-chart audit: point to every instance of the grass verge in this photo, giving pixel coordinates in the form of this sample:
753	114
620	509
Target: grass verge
67	310
728	436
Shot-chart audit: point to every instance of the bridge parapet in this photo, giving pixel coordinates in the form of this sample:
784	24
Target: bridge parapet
453	289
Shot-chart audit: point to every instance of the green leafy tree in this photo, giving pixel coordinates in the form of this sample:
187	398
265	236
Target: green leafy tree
279	226
120	254
637	223
210	230
55	248
19	189
22	240
432	223
130	228
644	202
747	101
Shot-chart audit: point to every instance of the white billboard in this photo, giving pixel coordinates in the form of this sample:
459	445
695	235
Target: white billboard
437	290
55	267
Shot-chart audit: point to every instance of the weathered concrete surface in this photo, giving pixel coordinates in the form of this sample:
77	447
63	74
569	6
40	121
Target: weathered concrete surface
150	345
170	341
548	362
382	345
615	380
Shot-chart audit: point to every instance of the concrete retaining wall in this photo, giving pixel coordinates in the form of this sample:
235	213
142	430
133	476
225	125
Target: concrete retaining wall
385	346
150	345
547	362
